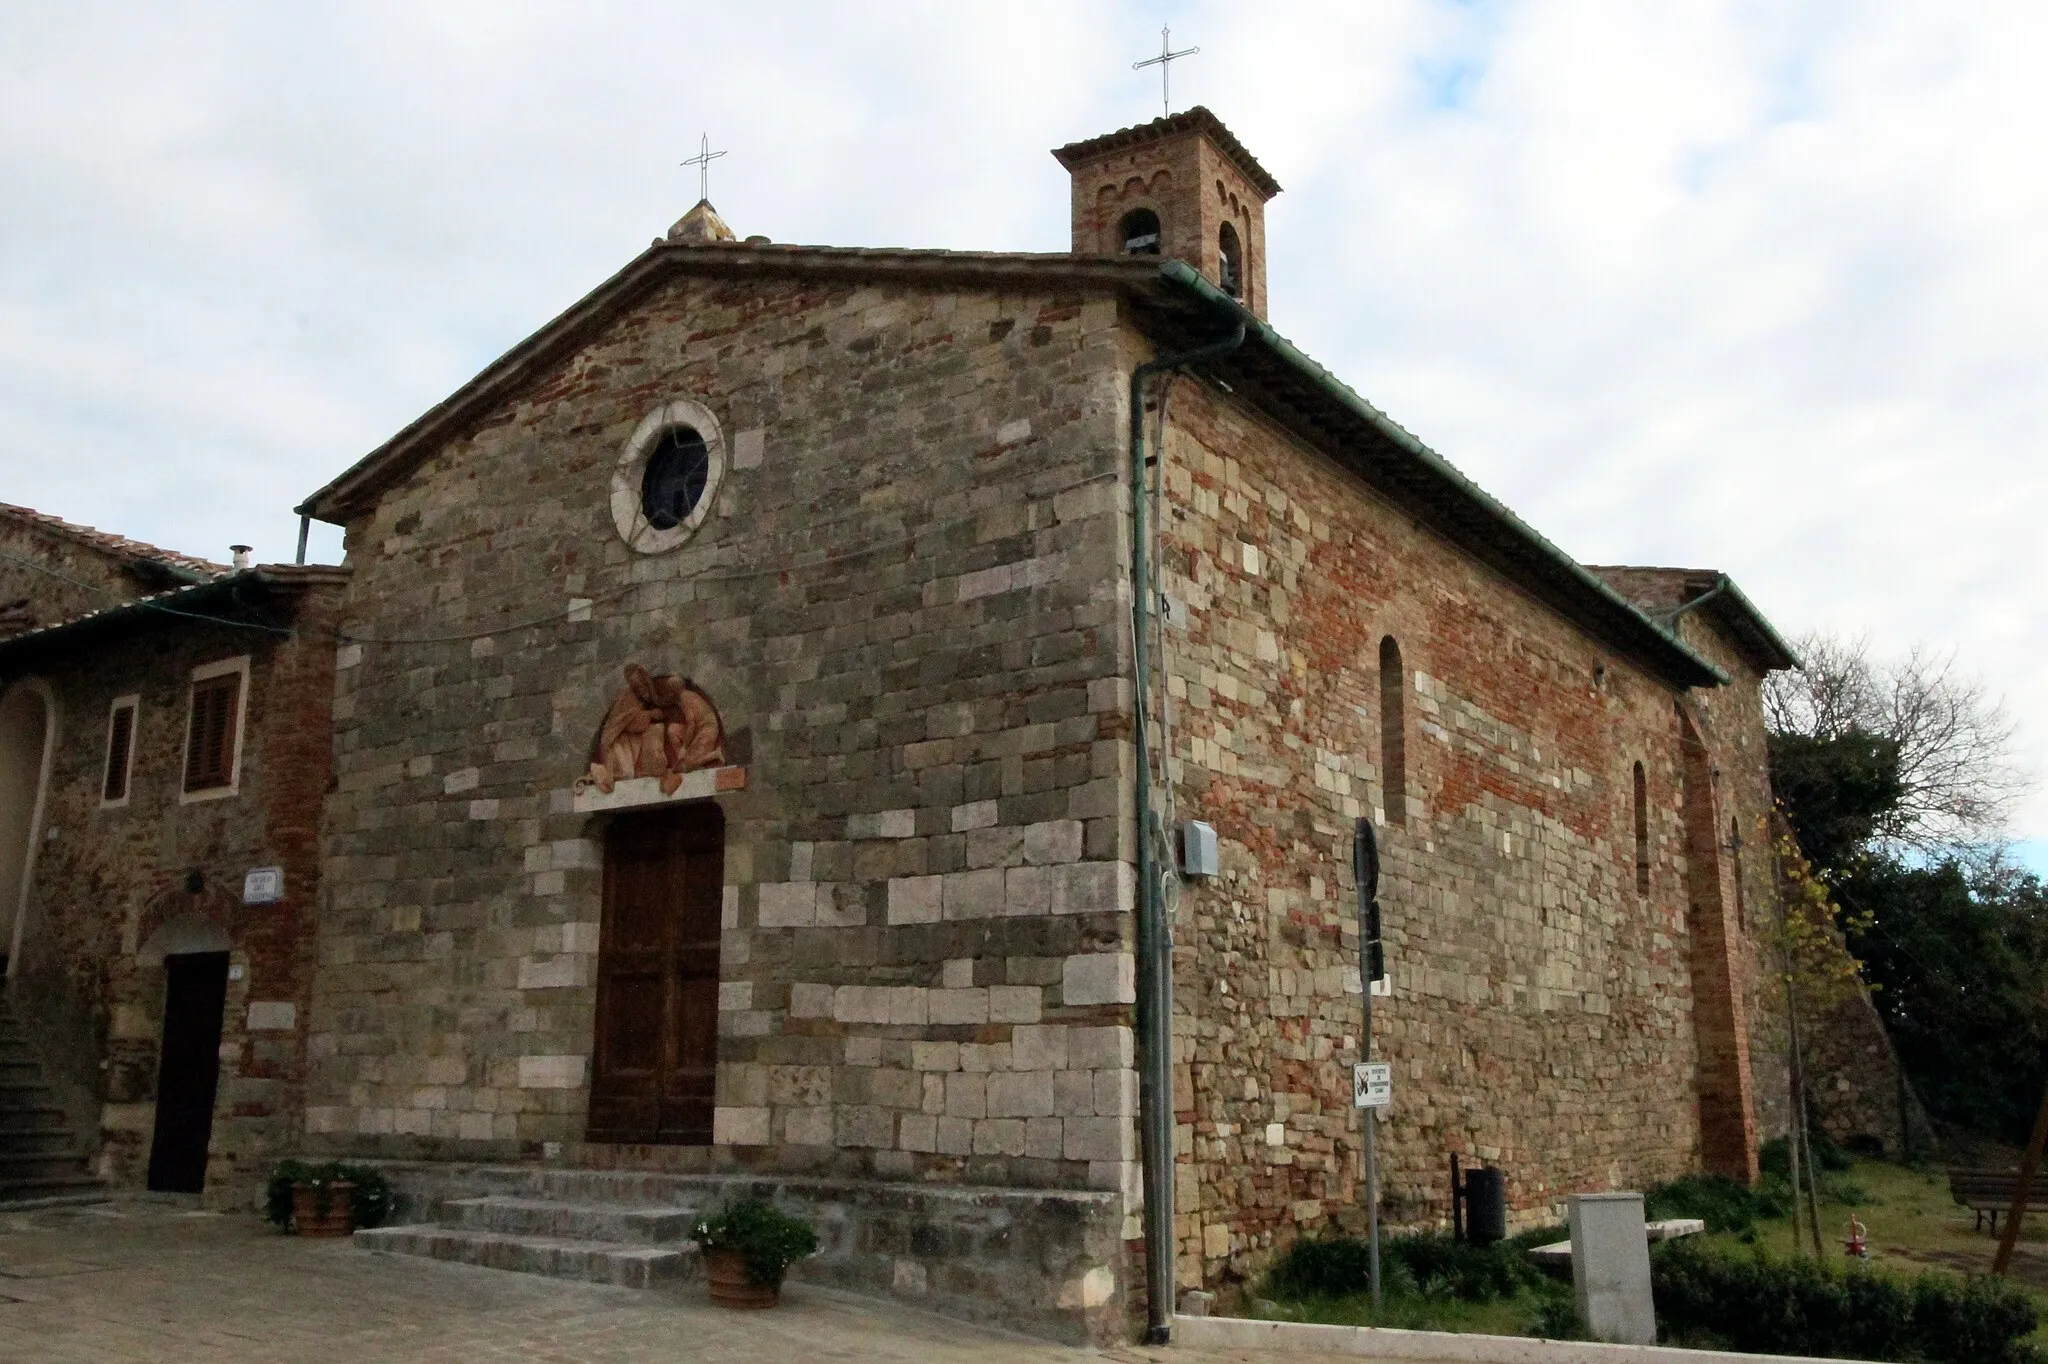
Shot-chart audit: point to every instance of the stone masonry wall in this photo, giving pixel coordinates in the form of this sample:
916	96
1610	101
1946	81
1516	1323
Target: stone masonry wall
1541	1014
109	877
47	577
904	605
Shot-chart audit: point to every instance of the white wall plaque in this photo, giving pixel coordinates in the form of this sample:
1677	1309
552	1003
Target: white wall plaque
263	886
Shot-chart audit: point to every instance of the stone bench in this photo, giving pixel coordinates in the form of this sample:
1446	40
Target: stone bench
1558	1254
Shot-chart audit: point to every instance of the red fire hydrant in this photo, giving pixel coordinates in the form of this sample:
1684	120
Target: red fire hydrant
1858	1243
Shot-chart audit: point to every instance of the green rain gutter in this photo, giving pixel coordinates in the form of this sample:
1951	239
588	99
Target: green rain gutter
1646	637
1724	586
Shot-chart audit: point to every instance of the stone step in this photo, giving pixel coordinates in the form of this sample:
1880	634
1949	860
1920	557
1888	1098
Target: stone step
42	1140
28	1093
77	1186
17	1166
612	1222
555	1256
14	1119
20	1069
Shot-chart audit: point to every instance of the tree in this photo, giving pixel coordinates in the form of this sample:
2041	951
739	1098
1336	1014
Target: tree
1959	955
1841	722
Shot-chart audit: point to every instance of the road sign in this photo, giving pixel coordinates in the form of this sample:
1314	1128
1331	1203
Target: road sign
1372	1084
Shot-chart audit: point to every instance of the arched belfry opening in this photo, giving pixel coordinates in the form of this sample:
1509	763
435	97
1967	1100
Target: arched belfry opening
1198	194
1139	232
1230	262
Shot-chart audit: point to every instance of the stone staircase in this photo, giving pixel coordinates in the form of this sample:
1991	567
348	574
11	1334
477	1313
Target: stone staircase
42	1155
630	1244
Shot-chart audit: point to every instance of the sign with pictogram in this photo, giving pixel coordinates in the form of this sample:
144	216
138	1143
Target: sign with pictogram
1372	1084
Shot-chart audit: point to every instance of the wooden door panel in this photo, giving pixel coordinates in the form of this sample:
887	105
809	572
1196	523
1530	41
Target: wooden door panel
188	1074
656	1055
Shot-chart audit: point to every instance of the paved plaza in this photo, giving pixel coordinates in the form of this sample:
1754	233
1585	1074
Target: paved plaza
148	1281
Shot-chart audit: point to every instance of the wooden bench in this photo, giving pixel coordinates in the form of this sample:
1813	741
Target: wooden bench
1990	1192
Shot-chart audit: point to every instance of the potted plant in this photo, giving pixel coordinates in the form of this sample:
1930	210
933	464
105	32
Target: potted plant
748	1245
328	1199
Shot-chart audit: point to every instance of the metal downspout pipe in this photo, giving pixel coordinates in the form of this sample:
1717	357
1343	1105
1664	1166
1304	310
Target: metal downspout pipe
1669	620
1155	949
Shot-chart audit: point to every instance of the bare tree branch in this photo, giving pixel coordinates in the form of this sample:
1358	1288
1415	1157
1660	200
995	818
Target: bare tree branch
1955	739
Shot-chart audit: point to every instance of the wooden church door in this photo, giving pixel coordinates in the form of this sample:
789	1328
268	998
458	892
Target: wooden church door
655	1059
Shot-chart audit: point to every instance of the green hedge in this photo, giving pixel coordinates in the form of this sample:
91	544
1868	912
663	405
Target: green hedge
1763	1303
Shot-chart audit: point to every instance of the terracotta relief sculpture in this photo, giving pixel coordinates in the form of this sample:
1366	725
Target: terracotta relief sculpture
660	726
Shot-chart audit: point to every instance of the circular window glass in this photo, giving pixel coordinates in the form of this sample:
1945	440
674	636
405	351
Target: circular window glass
678	469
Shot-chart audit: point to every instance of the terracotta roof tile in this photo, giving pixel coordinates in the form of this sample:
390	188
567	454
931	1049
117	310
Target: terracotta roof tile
1190	120
119	546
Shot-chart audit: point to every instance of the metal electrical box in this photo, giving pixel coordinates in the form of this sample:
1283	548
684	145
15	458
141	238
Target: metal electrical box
1197	848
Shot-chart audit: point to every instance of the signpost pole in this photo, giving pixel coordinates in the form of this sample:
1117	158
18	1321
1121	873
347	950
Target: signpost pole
1365	867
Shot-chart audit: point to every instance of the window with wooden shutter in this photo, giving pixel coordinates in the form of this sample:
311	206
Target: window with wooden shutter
120	752
210	733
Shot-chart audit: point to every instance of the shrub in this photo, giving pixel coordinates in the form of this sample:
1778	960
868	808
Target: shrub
1443	1265
369	1199
1323	1267
1769	1305
767	1239
1428	1264
1719	1201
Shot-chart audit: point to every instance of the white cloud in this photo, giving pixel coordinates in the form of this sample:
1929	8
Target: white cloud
1749	286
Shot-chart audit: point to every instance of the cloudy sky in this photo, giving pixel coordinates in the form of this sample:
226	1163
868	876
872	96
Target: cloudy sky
1747	284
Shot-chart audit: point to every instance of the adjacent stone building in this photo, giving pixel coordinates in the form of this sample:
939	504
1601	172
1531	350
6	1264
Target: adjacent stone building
163	733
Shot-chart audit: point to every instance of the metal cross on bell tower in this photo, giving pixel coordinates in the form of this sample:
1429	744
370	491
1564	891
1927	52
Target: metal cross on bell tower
1164	61
702	161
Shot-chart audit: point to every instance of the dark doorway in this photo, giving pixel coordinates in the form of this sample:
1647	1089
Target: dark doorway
656	1054
195	990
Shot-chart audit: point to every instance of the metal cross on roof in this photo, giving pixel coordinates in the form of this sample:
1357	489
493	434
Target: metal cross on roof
1164	61
702	161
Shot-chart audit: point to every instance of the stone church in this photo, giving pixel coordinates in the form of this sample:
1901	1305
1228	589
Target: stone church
891	728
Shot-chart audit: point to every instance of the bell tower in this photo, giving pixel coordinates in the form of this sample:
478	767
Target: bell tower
1179	186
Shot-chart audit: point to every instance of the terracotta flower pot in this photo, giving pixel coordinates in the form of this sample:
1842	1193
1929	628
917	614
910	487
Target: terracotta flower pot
339	1219
726	1272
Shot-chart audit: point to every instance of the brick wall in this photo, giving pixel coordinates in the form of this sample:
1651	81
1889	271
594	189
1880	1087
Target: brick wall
1543	1013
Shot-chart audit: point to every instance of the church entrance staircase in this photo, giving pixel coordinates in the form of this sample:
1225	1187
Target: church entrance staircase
42	1154
569	1224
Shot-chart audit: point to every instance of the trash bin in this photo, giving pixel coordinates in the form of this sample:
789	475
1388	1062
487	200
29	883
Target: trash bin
1486	1206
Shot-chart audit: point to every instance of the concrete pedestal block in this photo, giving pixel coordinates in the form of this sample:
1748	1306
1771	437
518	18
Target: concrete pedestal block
1611	1267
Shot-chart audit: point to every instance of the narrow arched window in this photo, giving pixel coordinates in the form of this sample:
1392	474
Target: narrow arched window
1393	732
1735	860
1230	262
1642	832
1140	232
